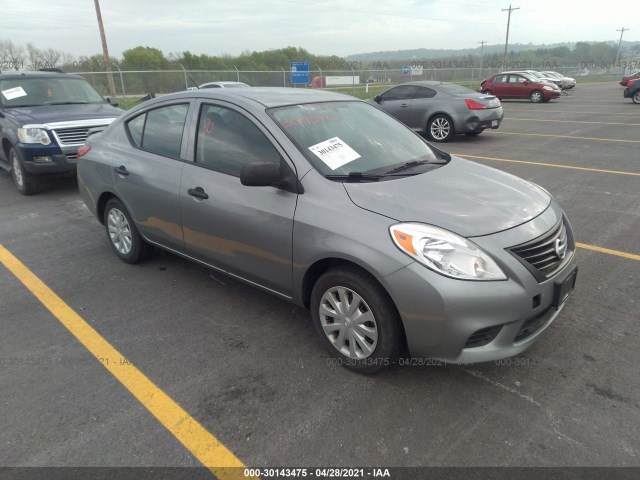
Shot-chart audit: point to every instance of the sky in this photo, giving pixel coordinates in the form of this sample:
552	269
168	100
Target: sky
323	27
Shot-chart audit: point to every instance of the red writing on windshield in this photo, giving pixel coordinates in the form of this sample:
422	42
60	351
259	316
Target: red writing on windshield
312	119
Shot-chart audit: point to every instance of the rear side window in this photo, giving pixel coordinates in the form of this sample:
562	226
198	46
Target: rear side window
424	92
160	130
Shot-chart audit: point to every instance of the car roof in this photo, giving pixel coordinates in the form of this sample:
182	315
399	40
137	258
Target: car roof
223	83
268	97
27	74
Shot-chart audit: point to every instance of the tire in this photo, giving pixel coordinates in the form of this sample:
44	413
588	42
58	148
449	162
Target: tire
636	97
474	133
122	233
371	341
536	96
440	128
26	183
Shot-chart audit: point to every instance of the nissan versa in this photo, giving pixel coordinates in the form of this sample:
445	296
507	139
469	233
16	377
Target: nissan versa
330	203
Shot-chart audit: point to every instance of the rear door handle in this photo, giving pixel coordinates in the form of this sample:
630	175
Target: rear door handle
404	105
198	192
121	170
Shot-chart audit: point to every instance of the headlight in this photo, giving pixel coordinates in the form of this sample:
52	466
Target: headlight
445	252
547	87
33	135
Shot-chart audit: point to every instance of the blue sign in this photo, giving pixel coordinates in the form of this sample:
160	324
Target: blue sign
300	72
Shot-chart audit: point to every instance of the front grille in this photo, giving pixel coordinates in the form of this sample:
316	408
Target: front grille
541	254
482	337
73	136
531	326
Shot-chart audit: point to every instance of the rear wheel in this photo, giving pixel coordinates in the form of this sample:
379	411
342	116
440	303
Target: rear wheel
636	97
536	96
25	182
123	234
356	319
440	128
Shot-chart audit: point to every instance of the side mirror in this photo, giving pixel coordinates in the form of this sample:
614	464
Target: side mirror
527	82
377	99
260	174
112	101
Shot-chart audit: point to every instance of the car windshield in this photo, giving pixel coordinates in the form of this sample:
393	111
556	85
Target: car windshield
235	85
32	92
342	138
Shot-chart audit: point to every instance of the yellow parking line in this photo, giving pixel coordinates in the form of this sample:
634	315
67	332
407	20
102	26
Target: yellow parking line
202	444
599	170
573	121
617	253
565	136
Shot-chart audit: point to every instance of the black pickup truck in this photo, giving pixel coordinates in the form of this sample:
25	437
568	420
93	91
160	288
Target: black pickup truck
44	118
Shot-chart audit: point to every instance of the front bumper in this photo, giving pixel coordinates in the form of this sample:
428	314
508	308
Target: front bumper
473	321
39	159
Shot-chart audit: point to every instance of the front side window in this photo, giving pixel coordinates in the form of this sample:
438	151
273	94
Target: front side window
403	92
339	138
500	79
227	140
159	130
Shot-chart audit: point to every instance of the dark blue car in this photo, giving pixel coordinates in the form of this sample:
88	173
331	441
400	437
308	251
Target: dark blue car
44	118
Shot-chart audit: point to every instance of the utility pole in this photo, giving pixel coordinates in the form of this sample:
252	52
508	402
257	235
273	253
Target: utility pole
105	51
481	52
622	30
506	43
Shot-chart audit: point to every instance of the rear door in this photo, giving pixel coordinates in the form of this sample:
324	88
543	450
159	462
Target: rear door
147	178
500	86
245	231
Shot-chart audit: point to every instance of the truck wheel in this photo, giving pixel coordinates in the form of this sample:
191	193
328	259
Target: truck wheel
26	183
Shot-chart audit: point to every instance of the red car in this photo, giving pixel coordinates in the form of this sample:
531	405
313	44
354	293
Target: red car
632	76
519	85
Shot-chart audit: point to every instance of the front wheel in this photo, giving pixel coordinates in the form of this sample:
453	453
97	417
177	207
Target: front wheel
636	97
356	319
26	183
536	96
123	234
440	128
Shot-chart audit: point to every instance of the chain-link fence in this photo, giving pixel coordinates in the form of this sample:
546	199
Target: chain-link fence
131	85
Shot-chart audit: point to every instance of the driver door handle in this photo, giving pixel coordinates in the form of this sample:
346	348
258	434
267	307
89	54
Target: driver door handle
121	170
198	192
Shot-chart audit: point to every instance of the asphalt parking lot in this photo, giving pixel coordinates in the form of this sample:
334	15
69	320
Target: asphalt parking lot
245	369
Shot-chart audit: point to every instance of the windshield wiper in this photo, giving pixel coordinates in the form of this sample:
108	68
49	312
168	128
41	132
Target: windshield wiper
356	177
408	165
68	103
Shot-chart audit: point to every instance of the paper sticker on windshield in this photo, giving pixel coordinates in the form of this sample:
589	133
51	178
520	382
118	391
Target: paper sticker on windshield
334	152
14	93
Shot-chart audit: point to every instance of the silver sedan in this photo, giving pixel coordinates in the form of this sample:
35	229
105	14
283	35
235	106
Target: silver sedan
327	202
440	110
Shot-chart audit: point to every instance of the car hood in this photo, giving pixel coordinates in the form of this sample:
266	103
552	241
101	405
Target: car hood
62	113
463	197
